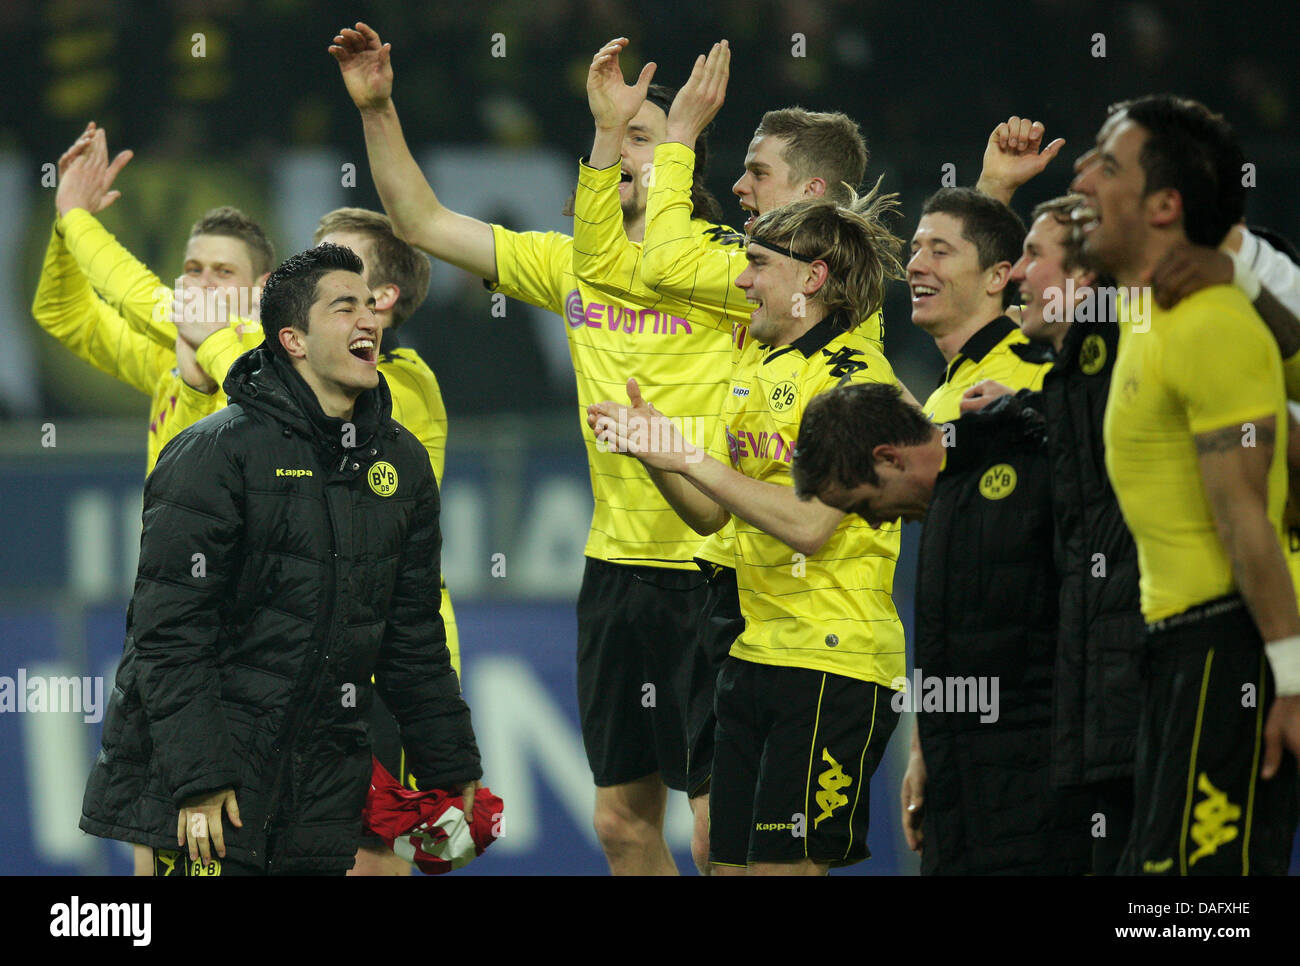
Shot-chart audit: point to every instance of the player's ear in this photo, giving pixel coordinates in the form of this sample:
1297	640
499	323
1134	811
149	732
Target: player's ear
998	277
386	296
815	188
292	341
1164	207
815	276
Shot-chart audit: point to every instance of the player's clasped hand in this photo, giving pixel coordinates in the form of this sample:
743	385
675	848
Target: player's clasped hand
199	824
640	430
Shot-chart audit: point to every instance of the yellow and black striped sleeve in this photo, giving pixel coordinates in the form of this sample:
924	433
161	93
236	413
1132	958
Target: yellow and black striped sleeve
680	261
67	308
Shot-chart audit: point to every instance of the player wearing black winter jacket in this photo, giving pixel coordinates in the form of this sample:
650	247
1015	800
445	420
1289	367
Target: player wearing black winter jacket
986	610
1098	656
286	556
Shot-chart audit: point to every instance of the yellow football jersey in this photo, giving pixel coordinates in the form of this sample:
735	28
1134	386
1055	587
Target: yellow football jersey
1207	364
988	354
67	307
682	262
832	611
618	329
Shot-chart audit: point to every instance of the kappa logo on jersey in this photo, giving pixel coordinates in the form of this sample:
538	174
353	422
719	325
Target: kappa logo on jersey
724	236
281	471
842	363
831	781
741	391
998	482
782	396
1215	816
1092	355
382	478
618	318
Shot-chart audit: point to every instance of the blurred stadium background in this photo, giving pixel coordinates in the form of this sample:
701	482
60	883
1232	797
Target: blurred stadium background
261	121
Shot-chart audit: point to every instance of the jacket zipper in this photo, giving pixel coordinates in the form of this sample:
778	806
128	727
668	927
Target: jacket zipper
297	713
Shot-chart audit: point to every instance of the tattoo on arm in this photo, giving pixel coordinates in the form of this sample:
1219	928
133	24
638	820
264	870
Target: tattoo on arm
1232	437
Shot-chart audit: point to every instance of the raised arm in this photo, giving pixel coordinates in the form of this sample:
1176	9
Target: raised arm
1012	157
418	216
67	308
676	260
603	253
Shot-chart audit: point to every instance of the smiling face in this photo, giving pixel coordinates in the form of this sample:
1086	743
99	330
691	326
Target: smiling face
646	130
338	352
768	182
1111	179
948	286
772	282
220	263
1042	276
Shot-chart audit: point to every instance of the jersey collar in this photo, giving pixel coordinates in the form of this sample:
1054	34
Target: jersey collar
979	345
815	339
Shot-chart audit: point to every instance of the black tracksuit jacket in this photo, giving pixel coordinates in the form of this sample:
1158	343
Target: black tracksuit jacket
286	557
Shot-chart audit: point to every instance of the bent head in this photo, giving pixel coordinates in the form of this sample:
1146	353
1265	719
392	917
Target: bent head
863	449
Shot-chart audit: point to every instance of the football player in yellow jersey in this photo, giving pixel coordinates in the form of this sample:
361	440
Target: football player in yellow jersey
1195	434
227	254
126	334
804	702
642	592
960	277
795	154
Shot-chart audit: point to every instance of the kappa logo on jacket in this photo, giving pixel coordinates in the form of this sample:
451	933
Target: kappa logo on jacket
282	471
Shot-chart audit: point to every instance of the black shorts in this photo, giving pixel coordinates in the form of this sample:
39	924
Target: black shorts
1200	807
793	761
720	624
637	664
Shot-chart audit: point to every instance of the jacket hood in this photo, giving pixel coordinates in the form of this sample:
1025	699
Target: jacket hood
261	380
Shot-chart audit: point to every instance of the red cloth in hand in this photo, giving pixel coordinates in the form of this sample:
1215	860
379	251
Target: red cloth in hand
429	828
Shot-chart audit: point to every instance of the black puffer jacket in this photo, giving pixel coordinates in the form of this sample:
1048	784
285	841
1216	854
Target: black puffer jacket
1097	665
986	609
278	570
